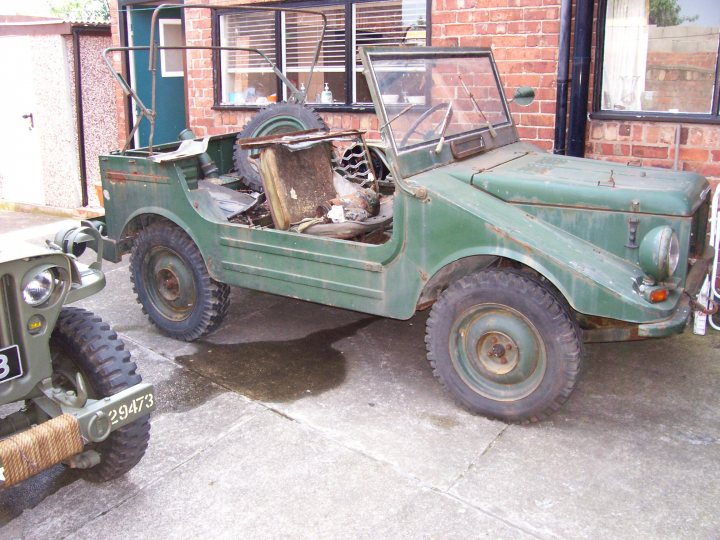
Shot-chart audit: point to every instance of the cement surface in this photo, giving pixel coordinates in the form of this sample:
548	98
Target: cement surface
299	420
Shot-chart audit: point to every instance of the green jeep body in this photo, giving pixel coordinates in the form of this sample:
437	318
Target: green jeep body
467	199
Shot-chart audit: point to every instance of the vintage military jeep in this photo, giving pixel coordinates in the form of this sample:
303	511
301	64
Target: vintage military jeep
68	390
522	255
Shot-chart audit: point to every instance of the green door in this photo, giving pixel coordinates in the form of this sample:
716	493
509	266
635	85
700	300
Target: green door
170	93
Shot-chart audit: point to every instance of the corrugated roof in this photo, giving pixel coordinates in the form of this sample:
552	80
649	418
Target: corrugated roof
18	25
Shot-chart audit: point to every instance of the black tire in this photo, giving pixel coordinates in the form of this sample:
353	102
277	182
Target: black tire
173	285
82	342
272	120
504	345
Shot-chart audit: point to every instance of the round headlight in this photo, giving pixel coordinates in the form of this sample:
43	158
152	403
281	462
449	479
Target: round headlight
660	253
39	288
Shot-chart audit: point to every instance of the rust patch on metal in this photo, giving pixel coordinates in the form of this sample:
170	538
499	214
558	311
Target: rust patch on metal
503	234
424	305
120	177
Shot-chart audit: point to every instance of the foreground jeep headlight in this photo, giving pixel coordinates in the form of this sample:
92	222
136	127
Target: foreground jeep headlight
660	253
39	287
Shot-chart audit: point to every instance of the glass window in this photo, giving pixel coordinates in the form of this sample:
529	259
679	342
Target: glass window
302	32
425	99
246	79
385	23
660	56
171	61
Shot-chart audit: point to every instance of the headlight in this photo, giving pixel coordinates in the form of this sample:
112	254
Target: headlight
39	288
660	253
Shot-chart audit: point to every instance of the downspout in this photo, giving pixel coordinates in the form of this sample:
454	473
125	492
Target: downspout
561	99
79	124
580	84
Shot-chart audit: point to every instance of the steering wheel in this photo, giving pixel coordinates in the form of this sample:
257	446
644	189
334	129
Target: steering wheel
420	119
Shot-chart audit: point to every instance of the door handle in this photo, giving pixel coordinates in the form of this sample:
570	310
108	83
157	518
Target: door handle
32	120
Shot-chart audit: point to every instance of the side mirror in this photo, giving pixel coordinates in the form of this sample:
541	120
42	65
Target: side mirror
524	96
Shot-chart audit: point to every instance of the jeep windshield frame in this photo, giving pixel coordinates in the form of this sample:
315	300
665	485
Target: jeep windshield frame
418	91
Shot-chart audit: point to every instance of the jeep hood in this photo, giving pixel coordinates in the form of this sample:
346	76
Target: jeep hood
525	175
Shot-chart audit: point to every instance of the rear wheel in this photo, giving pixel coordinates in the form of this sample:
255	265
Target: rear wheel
173	285
272	120
504	345
82	342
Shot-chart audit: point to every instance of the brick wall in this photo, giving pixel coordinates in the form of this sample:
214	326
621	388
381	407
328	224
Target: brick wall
524	37
653	144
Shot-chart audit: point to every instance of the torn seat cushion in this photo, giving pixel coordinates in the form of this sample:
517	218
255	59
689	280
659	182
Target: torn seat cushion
296	182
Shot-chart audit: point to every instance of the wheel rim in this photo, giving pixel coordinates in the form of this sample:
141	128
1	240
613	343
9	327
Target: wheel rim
170	283
278	125
498	352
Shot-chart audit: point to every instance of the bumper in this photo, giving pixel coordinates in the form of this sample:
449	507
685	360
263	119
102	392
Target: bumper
674	324
99	418
29	452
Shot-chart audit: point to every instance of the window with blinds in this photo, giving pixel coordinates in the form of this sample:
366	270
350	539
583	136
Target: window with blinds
247	76
394	23
302	31
247	79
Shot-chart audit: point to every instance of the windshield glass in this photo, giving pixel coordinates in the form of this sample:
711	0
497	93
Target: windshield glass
429	98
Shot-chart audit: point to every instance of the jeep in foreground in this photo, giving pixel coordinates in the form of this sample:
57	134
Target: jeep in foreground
522	256
69	392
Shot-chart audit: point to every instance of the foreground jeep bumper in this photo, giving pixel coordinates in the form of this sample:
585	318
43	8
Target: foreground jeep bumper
31	451
674	324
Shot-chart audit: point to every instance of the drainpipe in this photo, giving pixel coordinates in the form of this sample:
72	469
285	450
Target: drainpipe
580	84
79	124
561	99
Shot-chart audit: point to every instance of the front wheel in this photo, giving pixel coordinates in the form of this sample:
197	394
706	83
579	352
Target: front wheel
82	342
173	285
504	345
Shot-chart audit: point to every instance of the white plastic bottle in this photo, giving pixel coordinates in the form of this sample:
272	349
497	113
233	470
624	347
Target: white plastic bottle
326	96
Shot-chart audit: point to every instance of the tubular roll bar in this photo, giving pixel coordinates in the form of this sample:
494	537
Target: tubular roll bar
154	48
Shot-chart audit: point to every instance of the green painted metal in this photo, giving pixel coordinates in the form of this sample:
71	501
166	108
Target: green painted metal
569	219
540	178
73	284
509	376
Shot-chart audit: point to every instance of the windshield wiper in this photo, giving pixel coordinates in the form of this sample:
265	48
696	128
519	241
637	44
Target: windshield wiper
493	133
398	115
443	128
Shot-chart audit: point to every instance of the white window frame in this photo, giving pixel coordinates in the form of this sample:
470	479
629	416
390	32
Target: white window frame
165	72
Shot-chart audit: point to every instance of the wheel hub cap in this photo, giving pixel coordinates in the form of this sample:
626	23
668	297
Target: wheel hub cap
498	352
170	283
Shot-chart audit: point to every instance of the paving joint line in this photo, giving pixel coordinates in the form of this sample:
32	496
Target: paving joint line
232	429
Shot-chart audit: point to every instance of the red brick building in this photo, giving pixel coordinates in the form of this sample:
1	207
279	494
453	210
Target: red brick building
652	82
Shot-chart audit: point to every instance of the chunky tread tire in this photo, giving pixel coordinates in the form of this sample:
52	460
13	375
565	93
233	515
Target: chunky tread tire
550	316
212	297
274	119
84	340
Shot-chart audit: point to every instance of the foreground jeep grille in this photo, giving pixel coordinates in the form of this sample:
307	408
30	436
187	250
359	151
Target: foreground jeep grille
8	297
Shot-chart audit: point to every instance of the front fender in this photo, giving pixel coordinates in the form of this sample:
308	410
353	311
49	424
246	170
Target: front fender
594	281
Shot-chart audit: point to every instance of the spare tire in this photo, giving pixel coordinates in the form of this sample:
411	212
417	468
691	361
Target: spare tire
272	120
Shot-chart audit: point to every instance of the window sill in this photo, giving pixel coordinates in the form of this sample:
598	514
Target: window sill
640	116
317	107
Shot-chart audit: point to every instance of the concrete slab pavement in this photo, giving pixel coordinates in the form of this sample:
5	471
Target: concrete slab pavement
306	421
